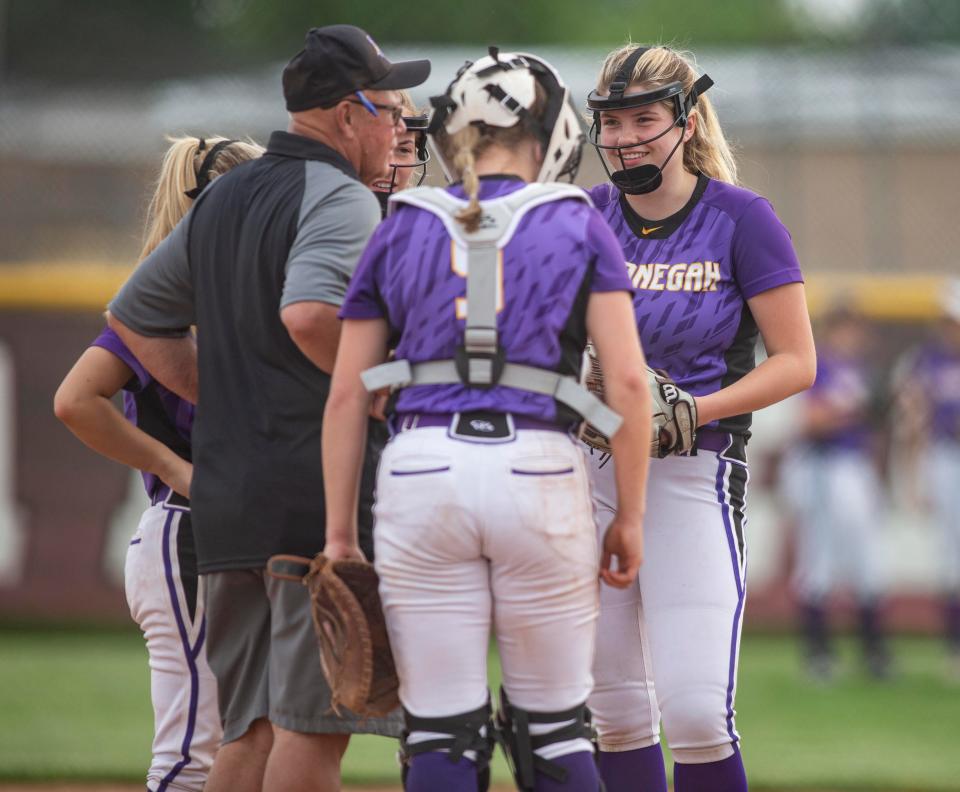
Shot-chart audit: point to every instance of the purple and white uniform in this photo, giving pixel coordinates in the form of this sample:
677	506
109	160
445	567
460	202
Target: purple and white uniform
165	597
935	369
834	489
485	521
668	646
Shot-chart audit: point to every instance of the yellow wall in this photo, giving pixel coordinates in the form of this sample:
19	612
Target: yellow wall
89	286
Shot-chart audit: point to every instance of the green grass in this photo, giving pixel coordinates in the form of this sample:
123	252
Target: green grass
74	705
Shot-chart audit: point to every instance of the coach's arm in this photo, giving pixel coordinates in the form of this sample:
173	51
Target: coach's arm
335	226
153	313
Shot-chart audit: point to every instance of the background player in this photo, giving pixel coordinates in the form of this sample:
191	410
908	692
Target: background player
483	507
831	479
712	266
163	590
927	385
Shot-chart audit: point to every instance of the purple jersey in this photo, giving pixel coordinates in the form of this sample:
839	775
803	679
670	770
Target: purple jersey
936	368
560	252
151	407
845	384
693	273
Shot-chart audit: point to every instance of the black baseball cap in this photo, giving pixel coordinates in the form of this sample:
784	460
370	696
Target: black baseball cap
338	60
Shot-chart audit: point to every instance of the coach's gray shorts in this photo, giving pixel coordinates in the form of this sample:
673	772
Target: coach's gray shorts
263	651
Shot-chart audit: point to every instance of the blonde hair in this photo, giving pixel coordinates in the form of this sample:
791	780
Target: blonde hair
463	148
178	174
707	151
406	102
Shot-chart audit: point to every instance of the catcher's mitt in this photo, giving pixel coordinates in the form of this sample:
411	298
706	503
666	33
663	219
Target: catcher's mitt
674	412
348	619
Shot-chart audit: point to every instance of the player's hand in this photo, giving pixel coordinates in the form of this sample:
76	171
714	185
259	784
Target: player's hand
339	551
623	541
178	475
379	404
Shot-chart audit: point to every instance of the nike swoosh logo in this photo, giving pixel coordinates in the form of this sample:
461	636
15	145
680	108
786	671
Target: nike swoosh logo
646	230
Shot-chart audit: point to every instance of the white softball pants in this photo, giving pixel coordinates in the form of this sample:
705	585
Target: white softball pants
668	646
943	477
836	497
182	687
471	536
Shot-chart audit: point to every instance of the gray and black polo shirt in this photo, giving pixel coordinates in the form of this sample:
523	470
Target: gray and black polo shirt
286	228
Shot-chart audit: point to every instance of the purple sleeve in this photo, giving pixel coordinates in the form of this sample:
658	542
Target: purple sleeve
763	254
110	341
610	268
363	299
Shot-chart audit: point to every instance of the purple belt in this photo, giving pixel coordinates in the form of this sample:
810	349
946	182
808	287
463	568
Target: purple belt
403	422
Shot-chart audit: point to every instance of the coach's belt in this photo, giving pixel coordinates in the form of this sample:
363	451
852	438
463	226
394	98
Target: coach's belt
474	425
163	494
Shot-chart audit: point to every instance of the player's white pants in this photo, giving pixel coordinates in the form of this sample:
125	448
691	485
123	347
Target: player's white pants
668	646
943	477
836	497
473	535
182	687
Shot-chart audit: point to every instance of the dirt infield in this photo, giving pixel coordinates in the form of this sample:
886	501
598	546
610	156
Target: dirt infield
95	787
58	787
61	787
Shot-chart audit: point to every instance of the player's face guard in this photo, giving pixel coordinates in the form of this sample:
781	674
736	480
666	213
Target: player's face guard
497	91
642	178
418	125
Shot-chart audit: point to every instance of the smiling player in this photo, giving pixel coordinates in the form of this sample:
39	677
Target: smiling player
409	154
713	268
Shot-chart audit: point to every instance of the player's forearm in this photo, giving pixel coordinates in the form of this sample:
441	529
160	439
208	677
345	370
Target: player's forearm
171	361
776	378
630	397
97	424
344	443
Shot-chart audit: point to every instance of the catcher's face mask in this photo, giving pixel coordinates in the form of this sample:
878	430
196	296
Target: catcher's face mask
640	179
499	91
411	153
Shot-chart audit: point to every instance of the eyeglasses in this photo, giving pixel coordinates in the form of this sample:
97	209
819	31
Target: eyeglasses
396	111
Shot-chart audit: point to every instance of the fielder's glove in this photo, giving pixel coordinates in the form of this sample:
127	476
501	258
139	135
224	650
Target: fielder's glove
348	619
674	412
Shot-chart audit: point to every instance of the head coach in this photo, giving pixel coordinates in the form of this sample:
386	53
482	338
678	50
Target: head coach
260	266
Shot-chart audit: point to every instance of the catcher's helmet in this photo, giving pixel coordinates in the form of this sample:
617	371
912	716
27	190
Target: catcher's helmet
498	91
643	178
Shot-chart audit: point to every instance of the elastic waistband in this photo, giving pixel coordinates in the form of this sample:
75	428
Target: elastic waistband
163	494
403	422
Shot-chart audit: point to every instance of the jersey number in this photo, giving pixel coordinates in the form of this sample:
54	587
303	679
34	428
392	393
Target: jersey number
461	270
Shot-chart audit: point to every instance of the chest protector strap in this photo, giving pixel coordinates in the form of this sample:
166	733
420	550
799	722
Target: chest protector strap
480	361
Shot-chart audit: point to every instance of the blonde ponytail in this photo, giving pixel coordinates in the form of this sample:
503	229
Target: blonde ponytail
707	151
466	141
178	174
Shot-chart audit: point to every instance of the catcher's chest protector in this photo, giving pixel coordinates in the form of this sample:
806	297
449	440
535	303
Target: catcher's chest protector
480	360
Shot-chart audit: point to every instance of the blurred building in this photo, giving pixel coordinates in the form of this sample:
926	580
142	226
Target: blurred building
853	148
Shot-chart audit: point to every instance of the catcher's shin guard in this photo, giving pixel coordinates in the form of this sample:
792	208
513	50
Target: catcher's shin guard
513	733
468	731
